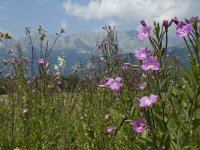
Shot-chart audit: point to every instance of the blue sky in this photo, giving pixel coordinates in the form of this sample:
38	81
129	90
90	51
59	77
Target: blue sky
88	15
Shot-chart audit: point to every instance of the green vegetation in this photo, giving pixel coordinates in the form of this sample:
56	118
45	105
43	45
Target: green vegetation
111	104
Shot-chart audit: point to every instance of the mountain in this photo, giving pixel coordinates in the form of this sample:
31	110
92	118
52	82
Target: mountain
82	46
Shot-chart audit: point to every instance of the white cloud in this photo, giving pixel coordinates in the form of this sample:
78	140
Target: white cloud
133	9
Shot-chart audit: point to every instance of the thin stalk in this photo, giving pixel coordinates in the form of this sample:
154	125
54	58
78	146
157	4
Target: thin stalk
194	47
166	46
53	44
160	96
189	50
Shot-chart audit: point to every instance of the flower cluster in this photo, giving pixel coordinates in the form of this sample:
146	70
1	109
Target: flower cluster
148	62
60	66
183	28
114	84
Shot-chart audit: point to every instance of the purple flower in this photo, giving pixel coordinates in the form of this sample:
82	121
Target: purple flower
165	23
175	20
124	67
183	29
150	64
58	81
40	61
147	101
141	86
144	75
144	32
143	23
109	129
142	53
104	81
114	84
194	19
139	125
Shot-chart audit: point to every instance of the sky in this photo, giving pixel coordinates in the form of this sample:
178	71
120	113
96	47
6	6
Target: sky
89	15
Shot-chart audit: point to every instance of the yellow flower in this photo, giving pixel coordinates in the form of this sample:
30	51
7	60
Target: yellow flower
17	148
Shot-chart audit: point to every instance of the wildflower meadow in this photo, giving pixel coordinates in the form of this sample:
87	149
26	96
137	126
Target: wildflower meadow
146	101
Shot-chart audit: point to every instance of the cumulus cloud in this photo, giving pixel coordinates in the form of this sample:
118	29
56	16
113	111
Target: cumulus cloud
133	9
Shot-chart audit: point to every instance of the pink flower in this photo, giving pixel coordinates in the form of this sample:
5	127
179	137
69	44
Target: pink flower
150	64
144	75
183	29
142	53
24	110
109	129
139	125
40	61
104	81
144	31
148	101
141	86
114	83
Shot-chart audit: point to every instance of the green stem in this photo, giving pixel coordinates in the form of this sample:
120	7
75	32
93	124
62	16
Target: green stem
189	50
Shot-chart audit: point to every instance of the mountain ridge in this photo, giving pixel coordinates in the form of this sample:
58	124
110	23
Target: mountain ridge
81	46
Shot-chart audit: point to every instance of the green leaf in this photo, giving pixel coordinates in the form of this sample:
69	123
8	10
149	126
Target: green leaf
196	123
189	75
166	141
196	71
164	82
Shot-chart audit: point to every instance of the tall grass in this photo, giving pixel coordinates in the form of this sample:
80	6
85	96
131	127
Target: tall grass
46	110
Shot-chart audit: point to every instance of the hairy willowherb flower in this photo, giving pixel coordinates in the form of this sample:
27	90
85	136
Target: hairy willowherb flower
183	29
109	129
104	82
139	125
150	64
194	19
175	20
144	31
40	61
114	83
165	23
142	53
141	86
148	101
143	23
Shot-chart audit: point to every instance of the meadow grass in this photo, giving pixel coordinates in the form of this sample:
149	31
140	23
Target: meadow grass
113	105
